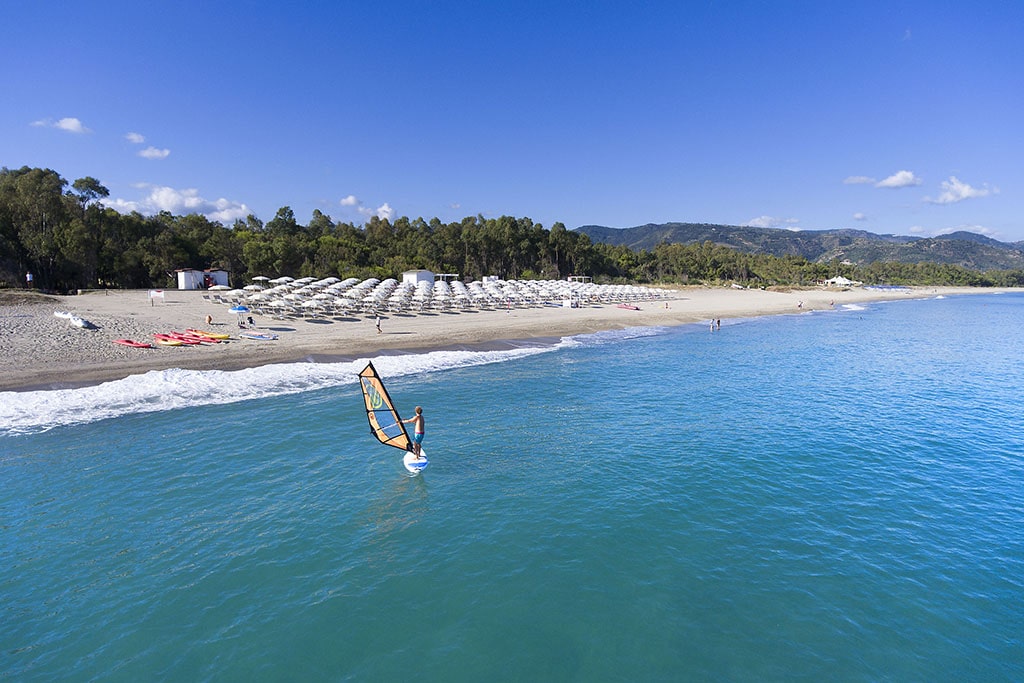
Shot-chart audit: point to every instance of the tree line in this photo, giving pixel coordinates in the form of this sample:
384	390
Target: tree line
69	240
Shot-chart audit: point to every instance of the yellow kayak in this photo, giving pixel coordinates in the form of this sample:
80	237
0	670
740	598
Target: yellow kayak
211	335
166	342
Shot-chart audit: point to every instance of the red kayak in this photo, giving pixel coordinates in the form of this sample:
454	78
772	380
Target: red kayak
132	343
188	336
172	338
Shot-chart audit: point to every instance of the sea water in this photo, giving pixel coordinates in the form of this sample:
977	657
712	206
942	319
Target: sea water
826	496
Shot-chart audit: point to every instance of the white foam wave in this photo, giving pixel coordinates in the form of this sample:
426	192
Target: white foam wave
38	411
614	336
853	307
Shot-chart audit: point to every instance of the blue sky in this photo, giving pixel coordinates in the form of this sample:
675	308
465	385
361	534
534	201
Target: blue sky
893	117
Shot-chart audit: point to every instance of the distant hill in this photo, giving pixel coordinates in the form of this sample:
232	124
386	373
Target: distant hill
966	249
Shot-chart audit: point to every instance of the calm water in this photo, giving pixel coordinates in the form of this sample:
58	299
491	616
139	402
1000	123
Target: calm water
830	496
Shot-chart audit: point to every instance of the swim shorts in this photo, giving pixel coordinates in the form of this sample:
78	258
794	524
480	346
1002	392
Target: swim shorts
418	437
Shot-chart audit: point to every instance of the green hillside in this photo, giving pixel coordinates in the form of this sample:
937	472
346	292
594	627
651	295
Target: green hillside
860	247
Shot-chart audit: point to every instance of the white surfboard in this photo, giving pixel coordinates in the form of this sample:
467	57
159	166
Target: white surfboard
414	464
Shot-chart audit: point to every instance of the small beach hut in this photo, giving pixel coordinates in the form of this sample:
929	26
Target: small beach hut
415	276
190	278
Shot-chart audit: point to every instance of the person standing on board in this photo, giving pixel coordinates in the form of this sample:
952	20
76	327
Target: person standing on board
419	430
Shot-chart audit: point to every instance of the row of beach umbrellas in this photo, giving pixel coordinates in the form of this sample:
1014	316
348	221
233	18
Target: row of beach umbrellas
286	296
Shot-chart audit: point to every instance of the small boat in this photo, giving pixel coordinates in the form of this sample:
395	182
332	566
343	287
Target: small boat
186	336
161	338
72	319
132	343
204	333
258	336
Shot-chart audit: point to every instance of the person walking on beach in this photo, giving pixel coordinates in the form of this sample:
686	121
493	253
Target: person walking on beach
419	430
378	323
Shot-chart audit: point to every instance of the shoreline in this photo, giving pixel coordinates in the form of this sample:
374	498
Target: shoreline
39	351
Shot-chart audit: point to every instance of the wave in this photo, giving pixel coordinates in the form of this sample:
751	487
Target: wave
30	412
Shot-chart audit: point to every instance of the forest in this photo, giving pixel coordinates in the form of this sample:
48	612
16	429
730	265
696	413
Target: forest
63	234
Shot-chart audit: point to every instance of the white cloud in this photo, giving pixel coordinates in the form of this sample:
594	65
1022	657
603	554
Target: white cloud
859	216
154	153
953	190
180	202
773	222
979	229
858	180
69	124
762	222
383	211
72	125
899	179
970	227
135	138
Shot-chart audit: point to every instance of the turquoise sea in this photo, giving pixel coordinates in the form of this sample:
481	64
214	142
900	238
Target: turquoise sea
827	496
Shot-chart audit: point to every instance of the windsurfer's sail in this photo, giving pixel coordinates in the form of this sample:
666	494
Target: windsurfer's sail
385	424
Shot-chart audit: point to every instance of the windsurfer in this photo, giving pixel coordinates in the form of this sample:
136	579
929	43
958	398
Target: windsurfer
419	430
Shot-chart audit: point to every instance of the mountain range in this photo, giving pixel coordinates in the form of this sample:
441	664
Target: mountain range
966	249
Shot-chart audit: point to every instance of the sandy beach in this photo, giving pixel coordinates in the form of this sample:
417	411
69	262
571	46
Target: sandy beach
41	351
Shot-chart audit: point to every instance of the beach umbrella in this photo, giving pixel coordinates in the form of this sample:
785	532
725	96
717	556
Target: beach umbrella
240	310
261	278
219	288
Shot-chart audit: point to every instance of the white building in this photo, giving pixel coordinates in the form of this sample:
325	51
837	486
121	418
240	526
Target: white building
190	278
415	276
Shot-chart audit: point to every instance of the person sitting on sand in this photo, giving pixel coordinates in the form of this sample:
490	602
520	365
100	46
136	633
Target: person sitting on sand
419	430
209	319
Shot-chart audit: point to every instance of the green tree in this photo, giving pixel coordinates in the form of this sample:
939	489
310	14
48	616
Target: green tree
88	189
